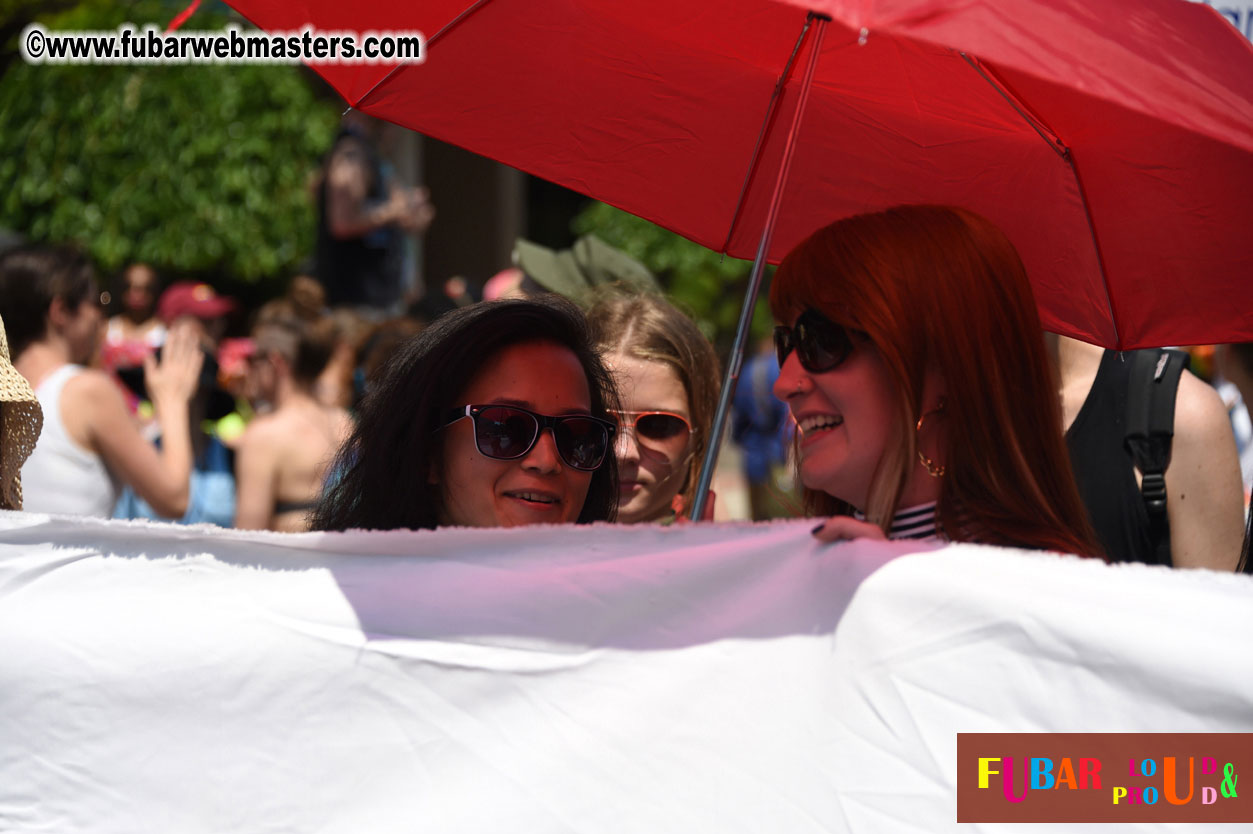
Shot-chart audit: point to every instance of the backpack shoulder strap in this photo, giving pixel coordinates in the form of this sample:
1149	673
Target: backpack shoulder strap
1150	431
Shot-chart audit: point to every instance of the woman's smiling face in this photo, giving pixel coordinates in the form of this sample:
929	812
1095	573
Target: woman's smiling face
845	417
538	488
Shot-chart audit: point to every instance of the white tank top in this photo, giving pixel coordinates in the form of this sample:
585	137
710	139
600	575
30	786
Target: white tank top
60	476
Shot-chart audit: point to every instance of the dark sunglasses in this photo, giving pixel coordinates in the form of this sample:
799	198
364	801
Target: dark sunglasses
658	426
820	344
507	432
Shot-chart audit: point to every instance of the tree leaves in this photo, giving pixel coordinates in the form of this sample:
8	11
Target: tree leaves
196	169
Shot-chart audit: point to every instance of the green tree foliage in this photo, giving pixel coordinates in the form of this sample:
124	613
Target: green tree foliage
196	169
15	15
704	283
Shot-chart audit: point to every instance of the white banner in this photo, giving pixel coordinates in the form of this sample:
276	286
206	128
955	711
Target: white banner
708	678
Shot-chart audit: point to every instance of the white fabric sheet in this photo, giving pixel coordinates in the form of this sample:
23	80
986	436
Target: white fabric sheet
728	678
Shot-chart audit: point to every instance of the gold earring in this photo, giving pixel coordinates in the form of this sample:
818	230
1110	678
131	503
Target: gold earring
935	470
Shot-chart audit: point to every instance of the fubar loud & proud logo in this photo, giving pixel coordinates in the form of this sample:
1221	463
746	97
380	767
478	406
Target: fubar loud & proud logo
1103	777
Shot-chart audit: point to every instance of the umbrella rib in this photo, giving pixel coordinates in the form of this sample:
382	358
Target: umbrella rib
1054	142
731	378
771	109
1096	245
466	12
1065	153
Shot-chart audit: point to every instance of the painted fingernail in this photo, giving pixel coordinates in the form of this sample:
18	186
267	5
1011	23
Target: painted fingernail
817	529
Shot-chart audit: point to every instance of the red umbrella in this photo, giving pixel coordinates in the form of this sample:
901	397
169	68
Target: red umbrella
1112	141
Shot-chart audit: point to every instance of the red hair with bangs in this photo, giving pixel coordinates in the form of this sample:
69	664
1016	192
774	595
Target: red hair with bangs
936	287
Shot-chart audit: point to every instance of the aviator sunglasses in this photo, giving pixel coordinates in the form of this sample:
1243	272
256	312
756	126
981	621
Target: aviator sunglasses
507	432
820	344
655	426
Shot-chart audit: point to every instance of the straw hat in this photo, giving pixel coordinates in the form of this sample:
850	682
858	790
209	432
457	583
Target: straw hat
21	418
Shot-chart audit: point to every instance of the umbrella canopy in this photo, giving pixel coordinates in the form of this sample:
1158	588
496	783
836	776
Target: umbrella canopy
1113	142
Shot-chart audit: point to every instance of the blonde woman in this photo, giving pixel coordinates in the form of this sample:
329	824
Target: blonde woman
667	377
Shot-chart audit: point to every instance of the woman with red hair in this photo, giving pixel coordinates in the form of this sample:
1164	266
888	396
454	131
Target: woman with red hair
913	363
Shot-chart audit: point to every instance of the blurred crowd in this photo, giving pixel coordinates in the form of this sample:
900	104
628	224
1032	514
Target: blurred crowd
264	397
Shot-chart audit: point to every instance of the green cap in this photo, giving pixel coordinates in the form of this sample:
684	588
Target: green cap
588	264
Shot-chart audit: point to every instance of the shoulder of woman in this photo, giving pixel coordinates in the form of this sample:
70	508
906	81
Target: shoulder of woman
264	428
92	407
1202	424
93	386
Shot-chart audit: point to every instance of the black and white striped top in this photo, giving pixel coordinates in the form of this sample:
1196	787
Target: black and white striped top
911	523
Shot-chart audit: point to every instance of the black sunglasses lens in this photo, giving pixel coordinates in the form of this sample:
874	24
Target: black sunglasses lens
582	442
782	343
660	426
504	433
821	344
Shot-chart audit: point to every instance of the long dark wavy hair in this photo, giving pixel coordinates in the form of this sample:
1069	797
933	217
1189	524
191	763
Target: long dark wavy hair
381	478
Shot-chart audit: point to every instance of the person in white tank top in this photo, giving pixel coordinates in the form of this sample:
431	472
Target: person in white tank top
91	443
61	476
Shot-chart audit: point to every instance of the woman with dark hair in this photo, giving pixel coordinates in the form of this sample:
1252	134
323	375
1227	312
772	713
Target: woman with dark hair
496	415
667	377
136	331
91	444
913	363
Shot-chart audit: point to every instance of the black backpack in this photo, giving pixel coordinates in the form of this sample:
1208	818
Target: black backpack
1150	429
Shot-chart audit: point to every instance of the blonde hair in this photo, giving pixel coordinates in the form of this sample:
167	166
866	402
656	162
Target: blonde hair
648	327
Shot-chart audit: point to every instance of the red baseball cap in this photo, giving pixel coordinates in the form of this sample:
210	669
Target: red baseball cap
187	298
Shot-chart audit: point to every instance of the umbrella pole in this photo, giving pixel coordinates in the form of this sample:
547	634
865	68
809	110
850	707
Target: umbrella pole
731	379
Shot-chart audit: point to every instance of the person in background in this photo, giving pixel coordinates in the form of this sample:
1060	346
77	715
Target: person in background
307	298
233	357
283	455
902	433
136	332
340	383
760	424
667	377
196	308
496	415
1202	481
362	220
21	418
90	443
200	307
